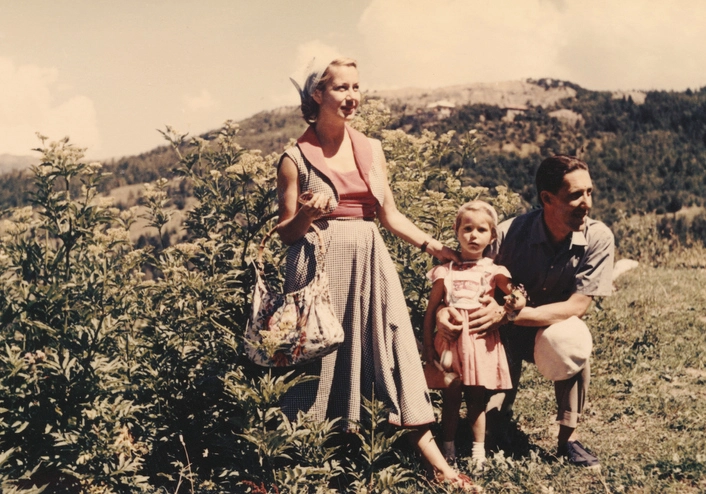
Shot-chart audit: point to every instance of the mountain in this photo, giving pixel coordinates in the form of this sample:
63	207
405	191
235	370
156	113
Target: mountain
510	94
646	149
10	162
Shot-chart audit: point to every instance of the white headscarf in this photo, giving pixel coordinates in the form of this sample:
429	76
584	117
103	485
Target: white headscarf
314	71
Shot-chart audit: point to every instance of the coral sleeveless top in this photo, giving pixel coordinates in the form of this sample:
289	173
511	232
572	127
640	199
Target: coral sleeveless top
316	176
355	199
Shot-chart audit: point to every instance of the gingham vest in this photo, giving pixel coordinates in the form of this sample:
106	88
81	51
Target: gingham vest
314	174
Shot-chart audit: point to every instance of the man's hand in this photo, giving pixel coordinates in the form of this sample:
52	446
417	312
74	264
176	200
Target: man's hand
449	323
487	317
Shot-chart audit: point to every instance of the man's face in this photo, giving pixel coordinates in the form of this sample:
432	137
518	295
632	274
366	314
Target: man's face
566	211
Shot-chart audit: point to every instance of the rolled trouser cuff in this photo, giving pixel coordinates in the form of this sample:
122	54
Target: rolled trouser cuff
568	419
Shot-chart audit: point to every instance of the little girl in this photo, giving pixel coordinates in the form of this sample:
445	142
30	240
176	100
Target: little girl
473	362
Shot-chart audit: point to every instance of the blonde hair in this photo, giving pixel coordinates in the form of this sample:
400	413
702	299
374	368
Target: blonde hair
481	207
309	107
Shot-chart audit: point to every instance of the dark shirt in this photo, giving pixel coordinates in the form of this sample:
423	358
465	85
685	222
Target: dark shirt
583	263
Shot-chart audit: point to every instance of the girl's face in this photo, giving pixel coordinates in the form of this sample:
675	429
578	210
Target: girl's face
474	234
341	95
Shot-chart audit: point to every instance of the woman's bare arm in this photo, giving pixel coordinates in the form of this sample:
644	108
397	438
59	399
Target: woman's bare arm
295	218
396	222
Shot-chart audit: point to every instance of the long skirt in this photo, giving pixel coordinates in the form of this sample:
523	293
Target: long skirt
380	352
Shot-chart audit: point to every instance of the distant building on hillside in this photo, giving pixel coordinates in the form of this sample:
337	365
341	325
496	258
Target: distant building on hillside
513	111
442	108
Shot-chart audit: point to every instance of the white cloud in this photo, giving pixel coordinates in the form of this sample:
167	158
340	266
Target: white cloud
203	101
28	104
457	41
600	44
643	44
314	49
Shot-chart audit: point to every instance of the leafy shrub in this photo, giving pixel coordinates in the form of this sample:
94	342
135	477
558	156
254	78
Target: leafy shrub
122	369
69	296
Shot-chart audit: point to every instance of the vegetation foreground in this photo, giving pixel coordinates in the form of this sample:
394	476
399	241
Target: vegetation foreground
122	368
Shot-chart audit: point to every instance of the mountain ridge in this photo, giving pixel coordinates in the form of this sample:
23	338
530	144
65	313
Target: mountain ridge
11	162
647	150
513	94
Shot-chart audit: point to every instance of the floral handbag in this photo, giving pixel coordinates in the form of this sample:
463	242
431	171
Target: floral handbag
293	328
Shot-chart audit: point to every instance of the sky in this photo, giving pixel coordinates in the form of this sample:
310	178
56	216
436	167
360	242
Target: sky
110	74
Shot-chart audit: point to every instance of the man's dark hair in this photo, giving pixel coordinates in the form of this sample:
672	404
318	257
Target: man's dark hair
550	174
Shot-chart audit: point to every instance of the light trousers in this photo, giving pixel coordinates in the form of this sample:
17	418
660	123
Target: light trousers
570	393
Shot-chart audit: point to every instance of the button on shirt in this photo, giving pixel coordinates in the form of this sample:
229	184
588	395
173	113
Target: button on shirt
583	263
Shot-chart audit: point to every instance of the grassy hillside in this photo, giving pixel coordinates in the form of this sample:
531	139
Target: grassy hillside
643	157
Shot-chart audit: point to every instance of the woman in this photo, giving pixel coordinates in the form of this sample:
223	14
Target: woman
336	177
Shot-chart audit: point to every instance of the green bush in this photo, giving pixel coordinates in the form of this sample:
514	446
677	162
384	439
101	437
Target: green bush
122	369
70	283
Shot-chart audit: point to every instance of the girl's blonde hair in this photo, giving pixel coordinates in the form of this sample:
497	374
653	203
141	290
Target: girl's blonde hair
478	206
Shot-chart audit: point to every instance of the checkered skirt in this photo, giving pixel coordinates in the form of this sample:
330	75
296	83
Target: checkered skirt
379	353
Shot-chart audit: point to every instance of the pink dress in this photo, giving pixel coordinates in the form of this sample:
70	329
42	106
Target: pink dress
479	359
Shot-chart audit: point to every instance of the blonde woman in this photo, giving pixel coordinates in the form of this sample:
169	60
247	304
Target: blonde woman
336	177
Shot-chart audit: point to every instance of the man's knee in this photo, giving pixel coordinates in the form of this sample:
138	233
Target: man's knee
562	349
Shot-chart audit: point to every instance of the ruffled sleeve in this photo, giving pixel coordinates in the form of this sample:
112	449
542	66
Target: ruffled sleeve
438	272
502	270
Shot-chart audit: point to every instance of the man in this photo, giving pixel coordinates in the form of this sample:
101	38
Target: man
564	259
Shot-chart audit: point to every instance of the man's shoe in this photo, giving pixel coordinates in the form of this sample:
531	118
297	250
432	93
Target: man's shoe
576	454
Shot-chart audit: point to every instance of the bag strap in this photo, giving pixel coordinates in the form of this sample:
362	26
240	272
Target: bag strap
319	257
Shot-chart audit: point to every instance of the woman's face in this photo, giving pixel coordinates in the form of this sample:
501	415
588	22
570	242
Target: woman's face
341	95
474	234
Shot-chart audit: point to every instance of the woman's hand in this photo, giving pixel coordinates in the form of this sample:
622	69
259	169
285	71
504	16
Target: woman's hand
296	211
442	253
314	205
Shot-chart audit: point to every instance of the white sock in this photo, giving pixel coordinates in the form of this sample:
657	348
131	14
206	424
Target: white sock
478	452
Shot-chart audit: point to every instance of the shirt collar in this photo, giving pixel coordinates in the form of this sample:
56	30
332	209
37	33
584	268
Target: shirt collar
578	239
538	234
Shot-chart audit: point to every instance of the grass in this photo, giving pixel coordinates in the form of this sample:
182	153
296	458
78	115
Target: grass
647	412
